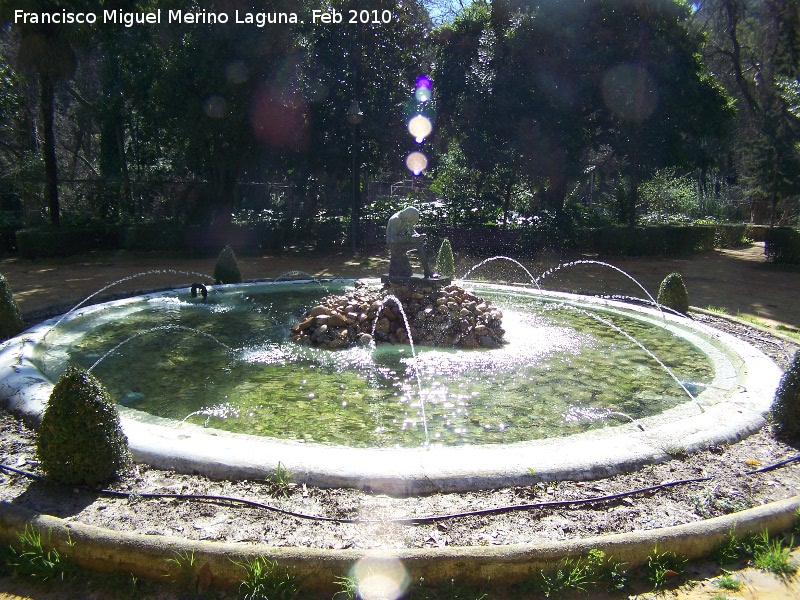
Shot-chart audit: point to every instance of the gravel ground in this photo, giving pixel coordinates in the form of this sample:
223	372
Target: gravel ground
732	485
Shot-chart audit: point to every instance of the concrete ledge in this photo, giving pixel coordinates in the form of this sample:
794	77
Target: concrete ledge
147	556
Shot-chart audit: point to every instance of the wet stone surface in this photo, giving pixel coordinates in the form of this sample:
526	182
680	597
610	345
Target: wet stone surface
443	316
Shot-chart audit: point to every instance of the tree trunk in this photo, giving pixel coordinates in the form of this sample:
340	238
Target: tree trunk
633	195
126	178
47	105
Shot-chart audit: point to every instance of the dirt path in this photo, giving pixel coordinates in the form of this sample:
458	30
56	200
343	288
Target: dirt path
739	281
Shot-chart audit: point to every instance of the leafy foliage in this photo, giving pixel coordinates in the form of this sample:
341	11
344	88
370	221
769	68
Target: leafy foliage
80	440
672	293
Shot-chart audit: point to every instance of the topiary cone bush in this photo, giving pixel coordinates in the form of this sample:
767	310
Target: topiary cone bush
786	408
672	293
80	440
445	263
11	322
227	268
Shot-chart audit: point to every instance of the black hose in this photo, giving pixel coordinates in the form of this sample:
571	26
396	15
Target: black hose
410	520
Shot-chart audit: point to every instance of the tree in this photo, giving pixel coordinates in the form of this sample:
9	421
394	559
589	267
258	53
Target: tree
532	90
756	46
46	51
375	63
657	105
19	157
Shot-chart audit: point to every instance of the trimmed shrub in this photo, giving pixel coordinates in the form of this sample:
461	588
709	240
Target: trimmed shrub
782	245
672	293
11	322
80	440
445	263
786	408
227	268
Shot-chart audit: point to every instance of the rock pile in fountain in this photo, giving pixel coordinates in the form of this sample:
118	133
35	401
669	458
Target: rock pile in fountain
449	317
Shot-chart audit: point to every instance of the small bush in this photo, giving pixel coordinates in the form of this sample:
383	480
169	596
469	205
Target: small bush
445	263
786	408
672	293
227	268
80	440
11	322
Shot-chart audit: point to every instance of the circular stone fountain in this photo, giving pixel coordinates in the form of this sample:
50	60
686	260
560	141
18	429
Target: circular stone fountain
536	409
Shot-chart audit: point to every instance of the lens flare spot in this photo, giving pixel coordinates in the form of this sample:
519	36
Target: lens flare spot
423	81
380	578
423	94
215	106
417	162
420	127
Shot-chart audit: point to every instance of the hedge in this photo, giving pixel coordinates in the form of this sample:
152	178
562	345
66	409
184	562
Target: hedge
782	245
245	240
647	241
66	241
273	236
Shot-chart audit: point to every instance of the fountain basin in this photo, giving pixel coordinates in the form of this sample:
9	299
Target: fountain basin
734	406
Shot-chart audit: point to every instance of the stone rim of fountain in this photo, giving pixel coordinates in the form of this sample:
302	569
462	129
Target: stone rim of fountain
410	471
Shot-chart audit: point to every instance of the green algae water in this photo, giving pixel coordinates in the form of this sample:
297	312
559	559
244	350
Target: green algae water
229	364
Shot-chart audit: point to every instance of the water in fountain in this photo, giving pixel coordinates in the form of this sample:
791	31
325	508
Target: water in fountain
601	264
505	258
621	331
153	330
220	411
391	298
309	276
359	396
117	282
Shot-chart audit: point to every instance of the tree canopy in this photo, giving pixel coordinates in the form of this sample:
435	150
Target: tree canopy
530	97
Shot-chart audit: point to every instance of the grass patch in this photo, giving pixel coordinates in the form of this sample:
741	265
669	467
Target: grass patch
727	582
772	556
31	560
581	575
280	481
752	320
792	332
720	310
731	549
264	578
184	578
663	568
